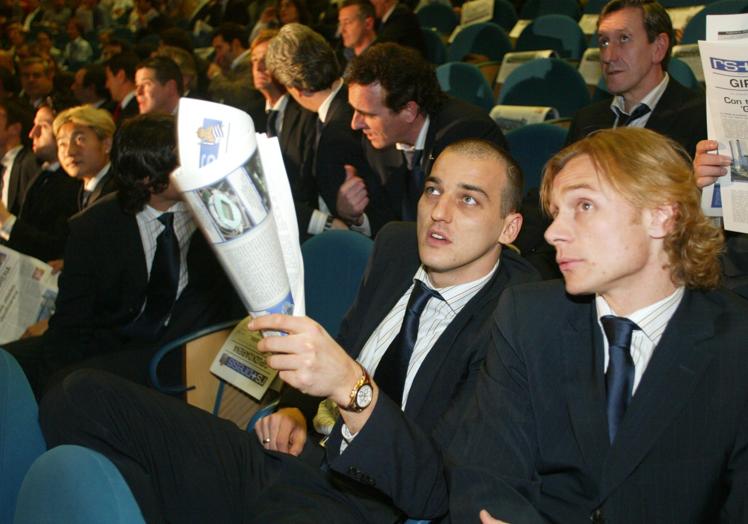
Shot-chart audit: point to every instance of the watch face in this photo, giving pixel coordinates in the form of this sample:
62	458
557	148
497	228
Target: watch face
364	396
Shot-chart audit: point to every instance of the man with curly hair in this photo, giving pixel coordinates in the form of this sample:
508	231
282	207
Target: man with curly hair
621	396
408	121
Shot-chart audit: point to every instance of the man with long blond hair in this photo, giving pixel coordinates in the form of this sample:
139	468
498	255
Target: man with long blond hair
619	396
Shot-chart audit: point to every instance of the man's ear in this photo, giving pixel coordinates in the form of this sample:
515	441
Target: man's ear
512	226
659	220
662	42
410	111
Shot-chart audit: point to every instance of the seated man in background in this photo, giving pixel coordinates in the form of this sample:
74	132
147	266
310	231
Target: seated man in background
306	65
40	229
136	275
447	270
621	398
18	166
636	39
407	120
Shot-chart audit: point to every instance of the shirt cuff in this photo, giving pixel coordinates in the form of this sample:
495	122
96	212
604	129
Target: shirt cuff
317	222
364	228
7	228
347	438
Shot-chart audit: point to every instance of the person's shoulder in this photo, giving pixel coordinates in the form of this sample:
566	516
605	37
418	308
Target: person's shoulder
105	208
601	106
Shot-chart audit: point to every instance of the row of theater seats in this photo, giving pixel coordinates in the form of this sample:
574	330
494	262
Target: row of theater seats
75	485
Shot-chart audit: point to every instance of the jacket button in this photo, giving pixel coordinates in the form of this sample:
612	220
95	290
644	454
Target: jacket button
597	517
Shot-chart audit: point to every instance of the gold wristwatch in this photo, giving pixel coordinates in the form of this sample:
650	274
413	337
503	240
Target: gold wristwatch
361	394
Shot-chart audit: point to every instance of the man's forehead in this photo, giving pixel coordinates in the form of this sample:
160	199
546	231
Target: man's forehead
626	19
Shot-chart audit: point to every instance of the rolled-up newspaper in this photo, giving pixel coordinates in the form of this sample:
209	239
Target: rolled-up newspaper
235	184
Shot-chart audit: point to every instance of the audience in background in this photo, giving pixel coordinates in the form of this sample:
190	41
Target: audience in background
40	227
636	39
158	85
120	81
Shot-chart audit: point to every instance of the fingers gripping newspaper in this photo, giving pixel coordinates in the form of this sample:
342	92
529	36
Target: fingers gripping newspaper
723	57
235	183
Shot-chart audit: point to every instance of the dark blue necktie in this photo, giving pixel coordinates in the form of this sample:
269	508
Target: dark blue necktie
163	282
272	127
619	379
625	119
392	369
413	186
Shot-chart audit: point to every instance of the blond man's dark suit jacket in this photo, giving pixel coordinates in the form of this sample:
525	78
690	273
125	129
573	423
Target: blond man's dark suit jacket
534	444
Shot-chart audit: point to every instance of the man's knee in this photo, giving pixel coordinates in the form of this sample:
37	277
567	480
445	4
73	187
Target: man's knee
60	407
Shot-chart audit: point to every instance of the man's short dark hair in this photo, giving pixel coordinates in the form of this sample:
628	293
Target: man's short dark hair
477	148
301	58
165	69
656	20
144	153
19	112
126	61
230	31
365	8
403	73
95	76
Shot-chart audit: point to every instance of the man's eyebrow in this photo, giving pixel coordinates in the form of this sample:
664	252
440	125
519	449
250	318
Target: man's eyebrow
477	189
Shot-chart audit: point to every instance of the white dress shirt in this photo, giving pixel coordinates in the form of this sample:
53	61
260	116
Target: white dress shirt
652	321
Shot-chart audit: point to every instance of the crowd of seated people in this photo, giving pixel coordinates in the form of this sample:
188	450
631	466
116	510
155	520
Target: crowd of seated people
455	401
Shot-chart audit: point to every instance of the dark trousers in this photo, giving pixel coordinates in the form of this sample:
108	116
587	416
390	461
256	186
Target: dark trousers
184	464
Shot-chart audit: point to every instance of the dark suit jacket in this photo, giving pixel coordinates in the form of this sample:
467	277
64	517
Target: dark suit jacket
383	454
131	109
387	189
680	114
25	168
107	184
324	173
103	287
534	444
41	228
402	27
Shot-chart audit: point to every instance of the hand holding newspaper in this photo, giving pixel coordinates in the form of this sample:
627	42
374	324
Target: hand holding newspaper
723	57
236	186
28	290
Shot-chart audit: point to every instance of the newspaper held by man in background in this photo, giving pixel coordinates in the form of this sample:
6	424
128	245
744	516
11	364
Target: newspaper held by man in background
724	57
28	290
236	186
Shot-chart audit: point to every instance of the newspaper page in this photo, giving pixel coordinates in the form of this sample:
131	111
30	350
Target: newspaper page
236	186
509	118
725	67
28	290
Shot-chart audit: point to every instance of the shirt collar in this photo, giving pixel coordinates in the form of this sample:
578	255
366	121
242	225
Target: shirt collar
650	98
458	295
126	99
652	319
386	16
150	213
91	183
11	154
420	140
325	107
280	105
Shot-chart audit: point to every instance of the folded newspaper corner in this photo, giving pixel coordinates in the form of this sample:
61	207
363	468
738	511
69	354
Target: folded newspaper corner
235	184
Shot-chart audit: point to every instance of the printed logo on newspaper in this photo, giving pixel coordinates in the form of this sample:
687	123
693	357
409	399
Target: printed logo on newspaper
730	66
210	136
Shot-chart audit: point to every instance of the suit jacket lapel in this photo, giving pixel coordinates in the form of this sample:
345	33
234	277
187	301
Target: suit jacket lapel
676	367
445	345
661	119
584	384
